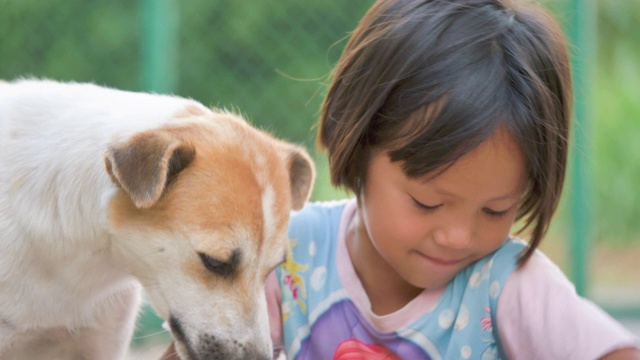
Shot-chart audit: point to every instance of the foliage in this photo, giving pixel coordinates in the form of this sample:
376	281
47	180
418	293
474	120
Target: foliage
70	40
616	126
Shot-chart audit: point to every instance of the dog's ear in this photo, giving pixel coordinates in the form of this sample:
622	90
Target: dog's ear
145	164
302	174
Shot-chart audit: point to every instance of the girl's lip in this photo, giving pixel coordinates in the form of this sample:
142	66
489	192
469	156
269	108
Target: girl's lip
445	262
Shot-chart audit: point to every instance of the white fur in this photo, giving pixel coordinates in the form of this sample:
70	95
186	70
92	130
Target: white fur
70	285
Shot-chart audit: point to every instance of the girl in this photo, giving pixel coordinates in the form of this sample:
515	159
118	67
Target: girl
449	121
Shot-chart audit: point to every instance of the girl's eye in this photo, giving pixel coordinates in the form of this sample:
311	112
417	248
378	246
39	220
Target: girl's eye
495	214
425	206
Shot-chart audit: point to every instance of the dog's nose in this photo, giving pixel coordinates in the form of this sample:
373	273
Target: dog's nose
210	348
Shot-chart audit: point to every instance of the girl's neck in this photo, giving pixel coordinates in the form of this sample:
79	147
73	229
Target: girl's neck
386	290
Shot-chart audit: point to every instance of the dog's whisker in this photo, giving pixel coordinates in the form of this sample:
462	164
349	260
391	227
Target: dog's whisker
151	335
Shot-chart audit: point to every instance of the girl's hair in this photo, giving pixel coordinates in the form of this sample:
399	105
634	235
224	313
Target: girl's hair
429	80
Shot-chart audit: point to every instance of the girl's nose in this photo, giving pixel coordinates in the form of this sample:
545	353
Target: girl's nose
458	235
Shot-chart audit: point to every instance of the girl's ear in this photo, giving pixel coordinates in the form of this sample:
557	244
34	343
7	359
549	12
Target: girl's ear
301	174
144	165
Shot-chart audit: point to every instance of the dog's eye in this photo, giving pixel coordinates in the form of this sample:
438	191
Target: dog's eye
217	267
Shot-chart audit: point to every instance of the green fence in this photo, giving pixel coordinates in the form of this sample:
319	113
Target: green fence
270	61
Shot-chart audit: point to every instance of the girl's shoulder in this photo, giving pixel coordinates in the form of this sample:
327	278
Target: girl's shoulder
539	307
495	267
504	261
316	219
320	209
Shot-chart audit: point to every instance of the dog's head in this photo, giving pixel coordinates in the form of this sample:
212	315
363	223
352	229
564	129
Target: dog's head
200	216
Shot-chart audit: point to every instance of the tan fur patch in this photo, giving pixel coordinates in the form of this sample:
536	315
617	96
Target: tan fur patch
220	193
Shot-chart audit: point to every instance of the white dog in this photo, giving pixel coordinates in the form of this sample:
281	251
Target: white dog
103	190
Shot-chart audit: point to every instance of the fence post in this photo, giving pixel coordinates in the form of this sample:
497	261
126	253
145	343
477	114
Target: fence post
159	74
159	45
581	31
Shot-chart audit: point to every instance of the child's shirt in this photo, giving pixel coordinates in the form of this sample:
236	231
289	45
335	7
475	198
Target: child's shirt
319	309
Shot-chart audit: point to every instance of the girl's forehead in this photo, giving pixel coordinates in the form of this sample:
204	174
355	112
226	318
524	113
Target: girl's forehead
496	167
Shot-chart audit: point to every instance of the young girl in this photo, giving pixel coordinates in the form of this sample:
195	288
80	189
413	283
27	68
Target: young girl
449	121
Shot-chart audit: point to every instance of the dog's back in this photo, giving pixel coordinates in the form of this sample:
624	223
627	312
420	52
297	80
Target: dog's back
52	185
62	213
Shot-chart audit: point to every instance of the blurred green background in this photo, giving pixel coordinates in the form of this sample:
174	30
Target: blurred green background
270	61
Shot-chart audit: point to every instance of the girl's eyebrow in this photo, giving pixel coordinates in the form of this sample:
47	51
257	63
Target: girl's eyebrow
509	196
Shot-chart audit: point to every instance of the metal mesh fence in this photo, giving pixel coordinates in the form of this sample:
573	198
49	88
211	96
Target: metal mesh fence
70	40
265	59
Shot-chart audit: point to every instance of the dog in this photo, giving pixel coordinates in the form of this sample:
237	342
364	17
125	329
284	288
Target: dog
105	192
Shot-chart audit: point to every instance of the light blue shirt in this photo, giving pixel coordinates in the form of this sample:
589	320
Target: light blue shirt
321	320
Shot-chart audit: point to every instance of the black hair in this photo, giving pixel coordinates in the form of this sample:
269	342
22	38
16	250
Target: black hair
430	80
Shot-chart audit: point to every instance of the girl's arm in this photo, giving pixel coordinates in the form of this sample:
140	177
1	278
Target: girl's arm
623	354
541	316
274	296
170	354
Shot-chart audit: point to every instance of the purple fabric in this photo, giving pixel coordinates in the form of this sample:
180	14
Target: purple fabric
341	323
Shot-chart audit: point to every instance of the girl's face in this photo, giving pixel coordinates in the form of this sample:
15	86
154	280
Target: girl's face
426	231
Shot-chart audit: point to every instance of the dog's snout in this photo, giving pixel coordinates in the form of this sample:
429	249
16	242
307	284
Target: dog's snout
252	352
211	348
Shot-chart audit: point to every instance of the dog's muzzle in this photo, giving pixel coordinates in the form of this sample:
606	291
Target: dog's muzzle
208	347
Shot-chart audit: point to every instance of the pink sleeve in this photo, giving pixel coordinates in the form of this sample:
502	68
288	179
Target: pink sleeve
540	316
274	296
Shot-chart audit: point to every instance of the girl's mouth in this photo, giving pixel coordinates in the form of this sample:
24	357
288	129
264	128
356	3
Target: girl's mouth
441	261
